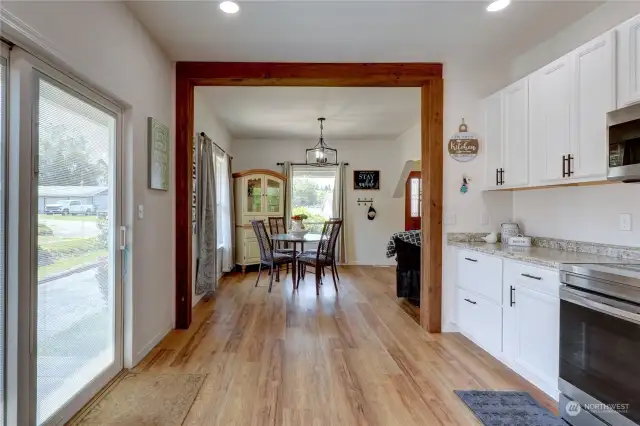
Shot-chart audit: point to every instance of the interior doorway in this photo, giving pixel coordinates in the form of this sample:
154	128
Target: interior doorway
413	201
426	76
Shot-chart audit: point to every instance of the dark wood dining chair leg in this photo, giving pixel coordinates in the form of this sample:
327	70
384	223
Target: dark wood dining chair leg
299	274
318	277
278	274
335	268
334	272
271	278
259	272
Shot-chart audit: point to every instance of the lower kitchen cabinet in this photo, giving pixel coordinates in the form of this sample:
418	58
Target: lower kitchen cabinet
522	326
530	338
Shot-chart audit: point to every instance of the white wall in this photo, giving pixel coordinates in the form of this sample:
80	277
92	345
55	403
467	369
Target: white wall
366	240
106	46
204	120
583	213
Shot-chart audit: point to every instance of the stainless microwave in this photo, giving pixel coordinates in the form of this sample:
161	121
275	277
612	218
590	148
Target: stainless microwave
624	144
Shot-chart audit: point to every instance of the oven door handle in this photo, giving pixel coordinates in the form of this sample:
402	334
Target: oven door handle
622	310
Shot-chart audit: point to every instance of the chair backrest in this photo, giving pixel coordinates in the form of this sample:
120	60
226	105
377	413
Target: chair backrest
277	225
330	231
264	242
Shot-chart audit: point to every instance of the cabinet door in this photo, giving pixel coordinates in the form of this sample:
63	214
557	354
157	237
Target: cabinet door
493	131
274	195
516	134
593	97
251	251
550	119
538	324
628	35
253	193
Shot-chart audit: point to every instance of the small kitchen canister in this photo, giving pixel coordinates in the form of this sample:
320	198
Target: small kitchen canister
508	230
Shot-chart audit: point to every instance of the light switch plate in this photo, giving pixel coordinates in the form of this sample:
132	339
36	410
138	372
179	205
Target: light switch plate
140	211
625	222
450	219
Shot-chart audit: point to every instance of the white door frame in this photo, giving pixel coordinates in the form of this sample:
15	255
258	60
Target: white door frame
26	69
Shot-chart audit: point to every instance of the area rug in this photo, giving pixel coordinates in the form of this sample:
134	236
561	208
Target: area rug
145	399
508	408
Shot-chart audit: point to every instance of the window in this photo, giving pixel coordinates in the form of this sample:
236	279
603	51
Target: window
312	194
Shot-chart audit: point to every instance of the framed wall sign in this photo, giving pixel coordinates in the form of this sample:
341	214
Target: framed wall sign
463	146
366	179
158	142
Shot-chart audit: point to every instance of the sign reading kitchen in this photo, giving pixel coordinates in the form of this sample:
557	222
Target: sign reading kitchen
366	179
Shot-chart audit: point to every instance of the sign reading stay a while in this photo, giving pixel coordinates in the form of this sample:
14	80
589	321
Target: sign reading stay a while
366	179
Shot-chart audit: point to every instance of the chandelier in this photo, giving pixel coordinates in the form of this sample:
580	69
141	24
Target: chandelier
321	155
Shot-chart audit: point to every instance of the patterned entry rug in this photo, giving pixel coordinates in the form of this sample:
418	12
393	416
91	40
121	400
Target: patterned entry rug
145	399
508	408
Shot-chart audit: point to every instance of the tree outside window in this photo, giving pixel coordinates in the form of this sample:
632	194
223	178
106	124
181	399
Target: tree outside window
312	195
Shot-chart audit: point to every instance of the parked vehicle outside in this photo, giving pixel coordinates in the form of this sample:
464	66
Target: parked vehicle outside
72	207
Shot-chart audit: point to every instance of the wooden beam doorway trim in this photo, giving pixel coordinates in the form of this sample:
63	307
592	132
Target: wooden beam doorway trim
427	76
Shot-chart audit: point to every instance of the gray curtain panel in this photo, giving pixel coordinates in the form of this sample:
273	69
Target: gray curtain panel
207	233
339	210
287	170
232	213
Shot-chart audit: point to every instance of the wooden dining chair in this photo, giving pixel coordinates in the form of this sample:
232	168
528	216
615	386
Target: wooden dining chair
268	256
277	225
324	256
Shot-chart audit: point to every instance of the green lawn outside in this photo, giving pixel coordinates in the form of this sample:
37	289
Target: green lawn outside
56	244
70	263
67	218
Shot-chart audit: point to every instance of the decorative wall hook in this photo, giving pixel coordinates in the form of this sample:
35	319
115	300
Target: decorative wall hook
365	201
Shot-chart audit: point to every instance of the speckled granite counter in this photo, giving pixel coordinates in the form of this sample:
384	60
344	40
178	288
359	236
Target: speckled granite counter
545	256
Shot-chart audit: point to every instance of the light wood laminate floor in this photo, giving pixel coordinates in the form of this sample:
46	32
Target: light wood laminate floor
358	358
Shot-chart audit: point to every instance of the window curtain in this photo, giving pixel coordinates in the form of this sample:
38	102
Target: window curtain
339	210
207	236
226	204
287	170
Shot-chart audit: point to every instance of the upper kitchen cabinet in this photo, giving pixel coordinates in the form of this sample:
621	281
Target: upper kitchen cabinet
516	134
549	121
507	138
628	36
594	83
493	139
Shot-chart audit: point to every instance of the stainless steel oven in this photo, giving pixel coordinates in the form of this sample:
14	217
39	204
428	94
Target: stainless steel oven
600	344
624	144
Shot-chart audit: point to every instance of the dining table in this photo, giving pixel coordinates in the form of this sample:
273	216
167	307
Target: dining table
294	239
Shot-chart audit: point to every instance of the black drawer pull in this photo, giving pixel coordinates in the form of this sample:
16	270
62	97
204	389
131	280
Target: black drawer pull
532	277
471	260
470	301
512	299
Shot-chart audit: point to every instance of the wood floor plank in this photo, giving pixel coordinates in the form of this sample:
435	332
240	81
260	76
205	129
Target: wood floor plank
353	358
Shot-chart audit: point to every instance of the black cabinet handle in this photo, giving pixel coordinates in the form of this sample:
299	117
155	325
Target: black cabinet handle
501	176
569	159
470	301
497	177
512	293
564	166
471	260
533	277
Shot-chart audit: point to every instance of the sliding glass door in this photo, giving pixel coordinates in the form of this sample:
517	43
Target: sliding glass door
3	182
73	211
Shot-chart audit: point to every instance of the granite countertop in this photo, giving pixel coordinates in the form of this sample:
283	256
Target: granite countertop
546	257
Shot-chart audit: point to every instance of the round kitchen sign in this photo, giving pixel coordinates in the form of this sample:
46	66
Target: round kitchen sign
463	146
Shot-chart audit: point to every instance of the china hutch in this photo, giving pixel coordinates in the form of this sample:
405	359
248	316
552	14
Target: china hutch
259	194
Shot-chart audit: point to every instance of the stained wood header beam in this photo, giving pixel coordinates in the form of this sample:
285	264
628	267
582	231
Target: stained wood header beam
427	76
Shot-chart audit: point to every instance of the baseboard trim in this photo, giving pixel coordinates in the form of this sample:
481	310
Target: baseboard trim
363	263
149	346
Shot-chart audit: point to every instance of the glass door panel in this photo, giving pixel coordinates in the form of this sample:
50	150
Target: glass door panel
274	195
76	255
254	194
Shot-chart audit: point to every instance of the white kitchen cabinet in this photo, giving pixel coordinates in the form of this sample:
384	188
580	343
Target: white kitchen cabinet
594	95
493	139
628	61
531	324
481	274
516	134
480	318
550	120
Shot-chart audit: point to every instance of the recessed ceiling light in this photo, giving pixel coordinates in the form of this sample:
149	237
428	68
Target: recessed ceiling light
229	7
498	5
